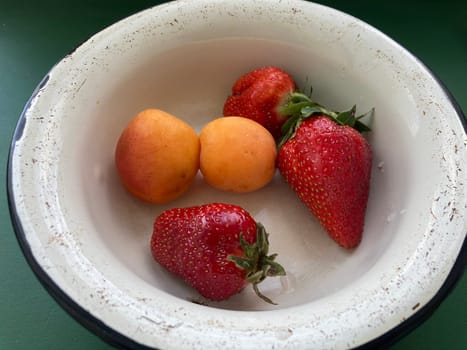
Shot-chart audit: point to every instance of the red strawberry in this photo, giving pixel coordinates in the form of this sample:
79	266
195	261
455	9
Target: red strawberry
328	164
216	248
260	95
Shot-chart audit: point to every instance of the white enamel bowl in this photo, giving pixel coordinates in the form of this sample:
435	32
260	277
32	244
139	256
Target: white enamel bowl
88	240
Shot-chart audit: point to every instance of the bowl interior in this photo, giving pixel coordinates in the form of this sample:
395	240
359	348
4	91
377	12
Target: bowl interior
195	89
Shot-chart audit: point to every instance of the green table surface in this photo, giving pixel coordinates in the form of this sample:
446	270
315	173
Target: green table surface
34	35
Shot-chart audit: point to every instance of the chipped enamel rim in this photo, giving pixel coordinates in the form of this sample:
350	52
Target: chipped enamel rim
402	290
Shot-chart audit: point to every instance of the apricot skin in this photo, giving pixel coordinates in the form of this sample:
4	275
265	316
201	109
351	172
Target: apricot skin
237	154
157	156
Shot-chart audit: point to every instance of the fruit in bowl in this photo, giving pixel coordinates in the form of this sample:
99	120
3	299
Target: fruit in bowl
260	96
217	248
237	154
86	236
322	156
157	156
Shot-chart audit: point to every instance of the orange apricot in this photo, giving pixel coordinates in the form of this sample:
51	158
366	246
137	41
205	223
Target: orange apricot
157	156
237	154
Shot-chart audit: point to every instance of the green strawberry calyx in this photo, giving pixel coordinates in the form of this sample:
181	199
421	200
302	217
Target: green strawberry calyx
300	107
257	264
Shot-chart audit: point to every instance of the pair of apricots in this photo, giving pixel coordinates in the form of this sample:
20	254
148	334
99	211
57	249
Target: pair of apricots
158	155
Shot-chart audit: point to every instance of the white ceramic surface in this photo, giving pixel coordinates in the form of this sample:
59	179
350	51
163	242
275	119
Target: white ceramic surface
90	238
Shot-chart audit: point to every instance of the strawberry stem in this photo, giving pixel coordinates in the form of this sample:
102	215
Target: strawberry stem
300	107
257	264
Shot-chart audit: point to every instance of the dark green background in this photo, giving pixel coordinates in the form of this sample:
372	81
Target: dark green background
34	35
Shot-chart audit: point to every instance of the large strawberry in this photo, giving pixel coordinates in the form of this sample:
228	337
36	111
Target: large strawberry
216	248
260	95
327	162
